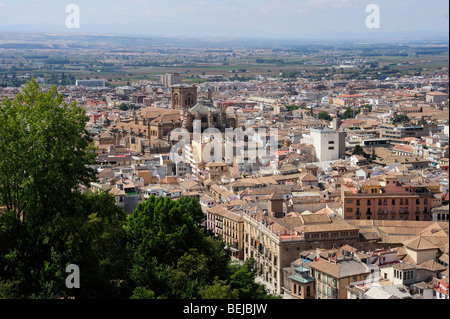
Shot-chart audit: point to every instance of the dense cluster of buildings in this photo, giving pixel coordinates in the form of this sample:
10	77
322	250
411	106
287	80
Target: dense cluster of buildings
321	220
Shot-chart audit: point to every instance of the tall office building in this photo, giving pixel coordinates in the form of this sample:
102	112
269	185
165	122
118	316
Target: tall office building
169	79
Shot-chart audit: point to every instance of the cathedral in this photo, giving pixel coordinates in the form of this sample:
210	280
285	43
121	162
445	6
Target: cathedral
154	125
184	98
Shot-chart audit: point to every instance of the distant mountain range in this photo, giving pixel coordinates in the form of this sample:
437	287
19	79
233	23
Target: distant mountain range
71	39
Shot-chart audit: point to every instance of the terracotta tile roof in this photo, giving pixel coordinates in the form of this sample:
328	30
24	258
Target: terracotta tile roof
275	196
419	243
308	177
337	224
167	118
444	258
155	112
408	260
403	148
435	229
318	218
433	265
340	269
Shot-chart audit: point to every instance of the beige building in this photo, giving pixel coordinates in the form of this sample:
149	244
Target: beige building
420	249
216	171
436	97
169	79
225	220
333	275
274	239
387	198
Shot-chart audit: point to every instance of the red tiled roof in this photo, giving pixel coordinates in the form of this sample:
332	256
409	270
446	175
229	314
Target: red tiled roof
404	148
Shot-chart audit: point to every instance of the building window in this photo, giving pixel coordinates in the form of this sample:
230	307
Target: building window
331	148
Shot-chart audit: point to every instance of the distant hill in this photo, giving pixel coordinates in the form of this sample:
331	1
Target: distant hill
69	40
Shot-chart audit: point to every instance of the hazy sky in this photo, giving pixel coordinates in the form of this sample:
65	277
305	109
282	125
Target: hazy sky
230	18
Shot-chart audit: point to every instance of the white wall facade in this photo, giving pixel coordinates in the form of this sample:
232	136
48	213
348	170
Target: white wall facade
326	143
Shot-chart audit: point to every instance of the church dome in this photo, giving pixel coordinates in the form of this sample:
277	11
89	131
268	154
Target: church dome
204	106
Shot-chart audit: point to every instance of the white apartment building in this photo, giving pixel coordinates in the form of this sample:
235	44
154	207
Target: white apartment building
329	144
91	83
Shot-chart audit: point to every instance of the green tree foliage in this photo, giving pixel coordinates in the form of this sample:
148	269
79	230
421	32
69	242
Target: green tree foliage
45	153
95	241
165	228
372	157
142	293
324	116
172	255
291	108
348	113
190	273
242	278
161	250
400	119
123	107
9	290
218	290
168	235
358	150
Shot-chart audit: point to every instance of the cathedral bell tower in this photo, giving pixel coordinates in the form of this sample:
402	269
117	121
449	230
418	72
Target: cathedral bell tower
183	96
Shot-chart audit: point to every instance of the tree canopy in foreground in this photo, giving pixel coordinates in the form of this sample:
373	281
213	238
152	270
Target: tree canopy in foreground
161	250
